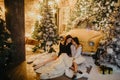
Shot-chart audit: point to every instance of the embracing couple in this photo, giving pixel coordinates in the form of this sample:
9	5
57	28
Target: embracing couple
68	58
72	48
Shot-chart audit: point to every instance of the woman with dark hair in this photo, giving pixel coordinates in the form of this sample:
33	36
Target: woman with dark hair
65	46
76	50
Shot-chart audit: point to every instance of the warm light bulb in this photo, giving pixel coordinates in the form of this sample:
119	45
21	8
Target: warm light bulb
54	11
39	17
57	1
32	29
2	13
50	3
31	14
4	10
37	6
27	35
40	0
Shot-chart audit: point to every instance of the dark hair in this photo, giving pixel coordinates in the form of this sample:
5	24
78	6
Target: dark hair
76	40
67	37
61	37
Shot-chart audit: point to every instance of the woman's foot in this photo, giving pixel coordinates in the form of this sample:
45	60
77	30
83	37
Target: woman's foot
74	76
79	71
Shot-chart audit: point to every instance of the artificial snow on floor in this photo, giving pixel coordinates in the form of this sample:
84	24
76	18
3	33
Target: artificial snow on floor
95	73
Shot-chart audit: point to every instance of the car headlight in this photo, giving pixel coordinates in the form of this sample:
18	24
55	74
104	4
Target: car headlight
91	43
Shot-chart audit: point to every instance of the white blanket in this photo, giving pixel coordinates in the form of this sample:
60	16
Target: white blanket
55	68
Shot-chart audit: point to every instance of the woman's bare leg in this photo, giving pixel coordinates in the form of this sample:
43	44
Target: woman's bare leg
75	67
45	62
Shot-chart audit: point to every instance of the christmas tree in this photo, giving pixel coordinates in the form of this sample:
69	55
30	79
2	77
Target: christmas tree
82	11
111	45
117	24
6	45
45	30
104	15
117	33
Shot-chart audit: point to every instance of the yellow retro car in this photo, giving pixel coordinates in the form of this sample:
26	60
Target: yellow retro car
89	39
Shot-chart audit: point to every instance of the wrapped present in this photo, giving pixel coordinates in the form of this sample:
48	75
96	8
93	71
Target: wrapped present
105	70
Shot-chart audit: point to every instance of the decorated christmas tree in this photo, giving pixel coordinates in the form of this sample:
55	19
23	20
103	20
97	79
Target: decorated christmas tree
83	12
104	15
111	45
117	24
81	9
45	30
6	45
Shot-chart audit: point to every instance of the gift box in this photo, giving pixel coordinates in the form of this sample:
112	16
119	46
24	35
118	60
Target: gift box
105	69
